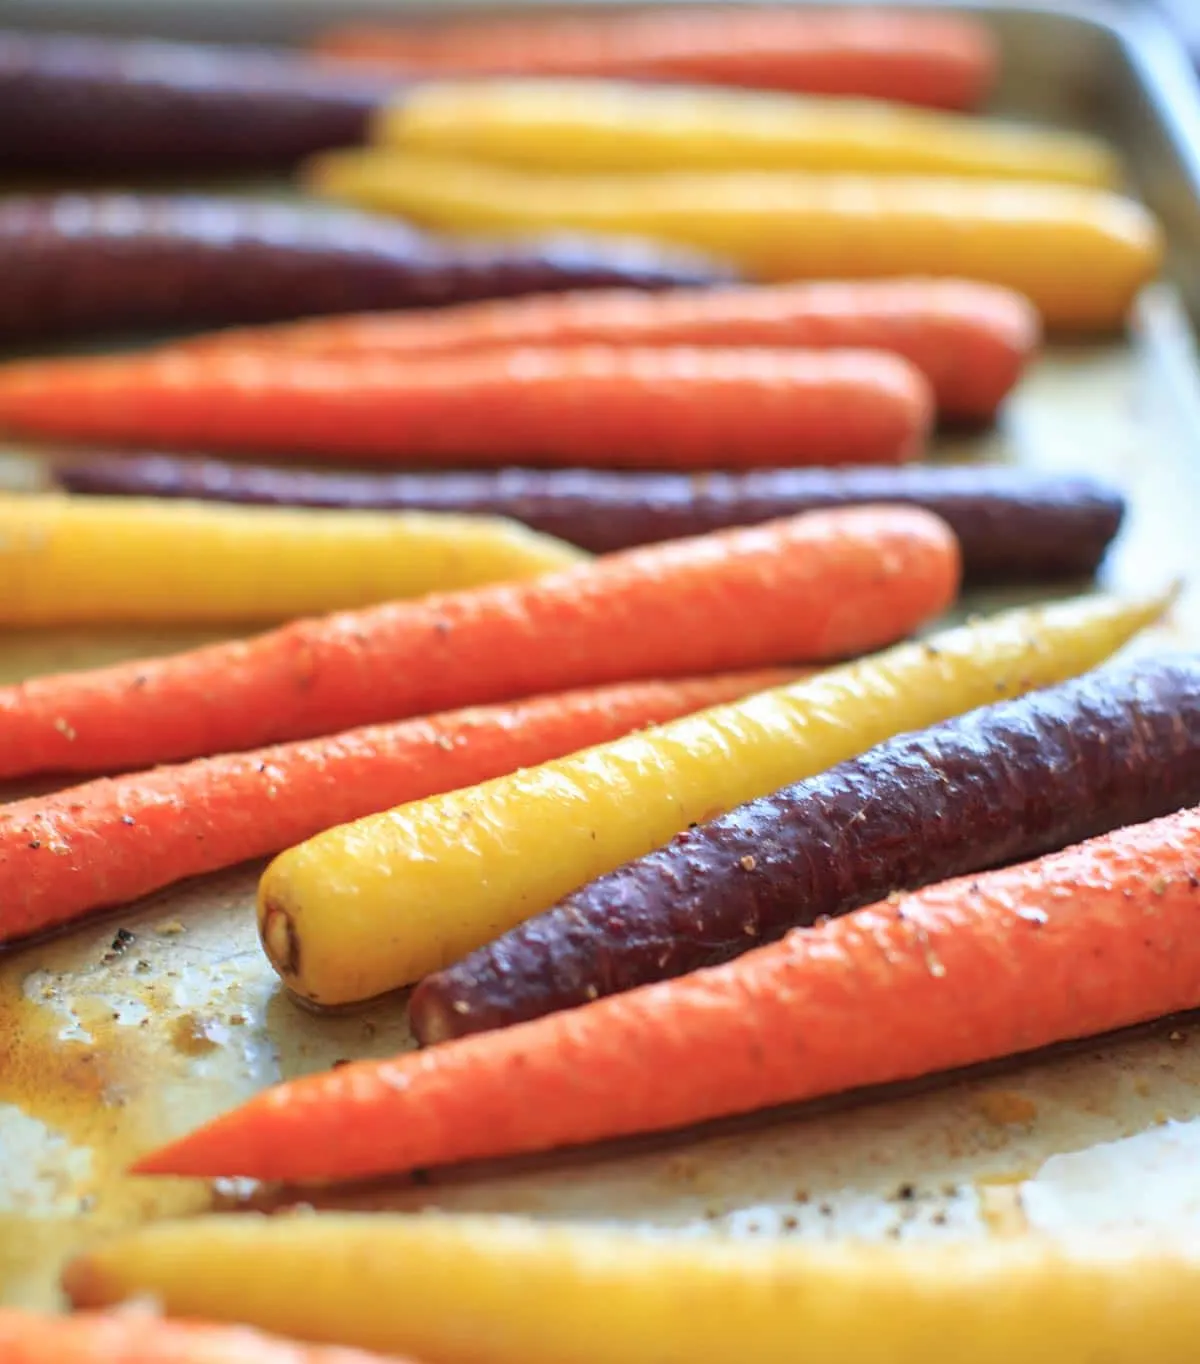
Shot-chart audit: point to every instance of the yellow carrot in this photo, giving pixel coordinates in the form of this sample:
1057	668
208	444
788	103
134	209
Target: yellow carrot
379	903
1079	254
71	561
498	1290
582	125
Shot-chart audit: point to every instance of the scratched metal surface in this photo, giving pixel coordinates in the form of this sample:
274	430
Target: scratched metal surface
129	1030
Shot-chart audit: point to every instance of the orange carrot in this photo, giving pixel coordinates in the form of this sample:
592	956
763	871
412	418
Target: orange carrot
1098	937
944	61
809	588
136	1337
116	839
688	408
970	340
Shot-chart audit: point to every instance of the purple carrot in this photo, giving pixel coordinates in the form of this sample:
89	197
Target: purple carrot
1002	784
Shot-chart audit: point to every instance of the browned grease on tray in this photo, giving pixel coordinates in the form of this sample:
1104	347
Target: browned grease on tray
88	1097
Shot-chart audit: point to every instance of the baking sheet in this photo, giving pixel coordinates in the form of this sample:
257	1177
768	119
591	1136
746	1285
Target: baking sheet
134	1029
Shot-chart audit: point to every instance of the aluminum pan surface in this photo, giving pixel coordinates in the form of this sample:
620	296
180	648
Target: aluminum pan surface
108	1046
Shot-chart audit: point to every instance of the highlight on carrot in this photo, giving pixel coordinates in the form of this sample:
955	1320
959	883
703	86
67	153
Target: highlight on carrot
379	903
963	972
1079	254
1013	524
66	561
1001	784
587	1294
115	839
806	589
138	1337
970	340
940	60
593	125
682	407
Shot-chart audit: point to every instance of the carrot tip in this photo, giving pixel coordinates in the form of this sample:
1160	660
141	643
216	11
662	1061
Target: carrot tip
172	1159
83	1284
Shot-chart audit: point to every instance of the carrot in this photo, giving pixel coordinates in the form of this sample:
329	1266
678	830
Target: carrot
115	839
80	265
140	1338
1013	524
1079	254
76	560
970	340
593	125
1002	784
959	973
537	1292
681	407
379	903
938	60
76	105
811	588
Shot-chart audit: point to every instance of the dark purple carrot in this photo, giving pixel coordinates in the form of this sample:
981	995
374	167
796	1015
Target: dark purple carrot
1004	783
80	264
1013	525
75	104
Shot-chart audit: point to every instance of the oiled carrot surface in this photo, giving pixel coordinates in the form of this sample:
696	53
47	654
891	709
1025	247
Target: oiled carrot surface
1079	254
374	905
1004	783
940	60
604	125
963	972
112	840
68	560
970	340
1013	524
546	1290
624	407
806	589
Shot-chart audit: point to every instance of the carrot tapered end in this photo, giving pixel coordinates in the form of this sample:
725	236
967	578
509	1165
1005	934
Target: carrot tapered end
86	1285
214	1149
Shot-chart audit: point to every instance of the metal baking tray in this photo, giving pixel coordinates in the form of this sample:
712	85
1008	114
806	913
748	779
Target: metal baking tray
128	1031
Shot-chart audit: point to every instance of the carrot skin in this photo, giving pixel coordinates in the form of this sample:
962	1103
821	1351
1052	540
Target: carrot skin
84	264
1013	525
970	340
687	408
1002	784
139	1338
598	126
115	839
72	104
101	561
941	61
372	906
533	1290
808	589
967	971
1079	254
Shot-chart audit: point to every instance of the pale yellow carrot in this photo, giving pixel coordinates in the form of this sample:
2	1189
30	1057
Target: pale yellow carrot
495	1290
1079	254
596	125
70	561
379	903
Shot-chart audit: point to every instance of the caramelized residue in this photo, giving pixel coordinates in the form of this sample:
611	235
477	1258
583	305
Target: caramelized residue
84	1091
65	1084
1005	1108
192	1035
